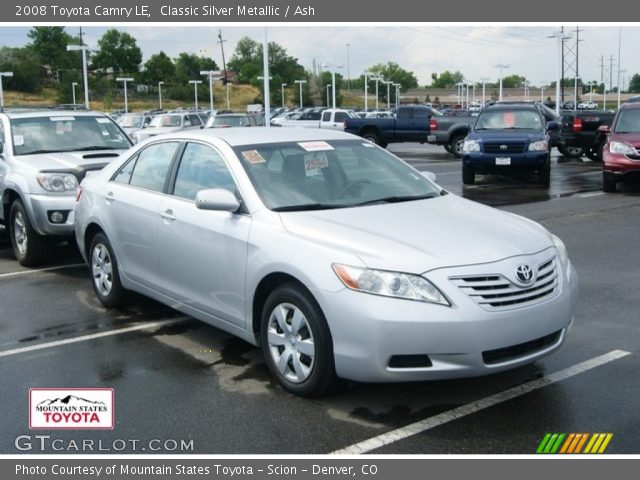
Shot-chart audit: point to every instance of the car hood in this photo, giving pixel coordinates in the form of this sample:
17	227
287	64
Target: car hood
630	138
70	160
423	235
513	136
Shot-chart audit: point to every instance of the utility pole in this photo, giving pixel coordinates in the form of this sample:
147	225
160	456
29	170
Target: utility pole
224	66
610	72
562	79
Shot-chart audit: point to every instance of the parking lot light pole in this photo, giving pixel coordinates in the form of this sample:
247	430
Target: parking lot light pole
460	98
84	70
195	90
397	85
348	67
542	92
620	72
125	80
526	90
261	77
366	91
484	81
333	83
377	79
160	94
73	91
3	74
388	82
300	82
210	74
282	87
575	93
501	67
328	87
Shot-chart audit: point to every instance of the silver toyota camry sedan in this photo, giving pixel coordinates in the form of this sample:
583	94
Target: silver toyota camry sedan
337	258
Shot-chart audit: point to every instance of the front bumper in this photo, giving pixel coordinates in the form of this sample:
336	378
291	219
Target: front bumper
369	330
522	161
619	165
39	208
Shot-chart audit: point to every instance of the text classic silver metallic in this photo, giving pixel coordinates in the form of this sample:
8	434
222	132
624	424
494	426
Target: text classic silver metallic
336	257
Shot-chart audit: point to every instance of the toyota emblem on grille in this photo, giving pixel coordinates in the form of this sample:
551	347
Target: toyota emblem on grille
503	147
524	273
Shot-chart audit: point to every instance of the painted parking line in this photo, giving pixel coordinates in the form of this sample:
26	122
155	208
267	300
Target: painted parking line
595	194
93	336
39	270
482	404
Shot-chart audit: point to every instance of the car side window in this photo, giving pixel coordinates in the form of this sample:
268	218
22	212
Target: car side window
124	174
151	167
201	168
326	116
195	120
340	117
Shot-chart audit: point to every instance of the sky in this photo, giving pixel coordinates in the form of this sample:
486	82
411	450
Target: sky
420	48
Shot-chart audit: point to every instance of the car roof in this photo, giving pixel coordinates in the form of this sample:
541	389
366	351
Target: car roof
255	135
28	113
513	106
630	106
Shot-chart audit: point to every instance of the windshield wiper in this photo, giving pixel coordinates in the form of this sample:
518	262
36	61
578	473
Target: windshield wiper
309	206
93	147
397	199
36	152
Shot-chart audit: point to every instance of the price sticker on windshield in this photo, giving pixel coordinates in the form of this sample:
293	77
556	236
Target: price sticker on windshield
315	146
18	140
253	157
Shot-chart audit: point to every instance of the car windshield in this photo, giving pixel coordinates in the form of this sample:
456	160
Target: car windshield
330	174
509	119
229	121
628	121
66	133
131	121
166	121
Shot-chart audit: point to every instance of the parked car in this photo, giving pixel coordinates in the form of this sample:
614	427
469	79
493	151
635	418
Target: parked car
132	123
225	120
335	256
508	138
579	133
308	118
589	105
170	122
621	151
411	124
44	156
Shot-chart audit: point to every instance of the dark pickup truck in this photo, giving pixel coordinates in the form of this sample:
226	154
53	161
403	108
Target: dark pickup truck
579	132
410	125
450	131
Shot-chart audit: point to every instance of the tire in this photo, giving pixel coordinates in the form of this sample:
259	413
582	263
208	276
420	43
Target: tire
373	137
456	143
608	183
105	278
468	175
29	247
448	148
544	174
301	360
595	153
572	152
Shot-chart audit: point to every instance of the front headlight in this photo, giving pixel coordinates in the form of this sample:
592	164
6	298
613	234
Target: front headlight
539	146
561	249
621	148
390	284
58	182
470	146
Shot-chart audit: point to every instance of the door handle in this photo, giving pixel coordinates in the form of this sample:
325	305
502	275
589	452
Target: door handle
109	197
168	215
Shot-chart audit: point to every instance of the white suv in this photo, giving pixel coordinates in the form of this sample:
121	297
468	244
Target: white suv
44	154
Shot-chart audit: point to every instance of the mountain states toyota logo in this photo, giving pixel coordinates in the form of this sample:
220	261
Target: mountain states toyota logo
71	408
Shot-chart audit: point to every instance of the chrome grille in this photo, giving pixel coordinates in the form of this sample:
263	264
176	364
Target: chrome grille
496	292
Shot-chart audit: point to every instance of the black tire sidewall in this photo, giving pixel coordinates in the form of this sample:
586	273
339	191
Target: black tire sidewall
36	244
454	142
373	138
322	377
117	296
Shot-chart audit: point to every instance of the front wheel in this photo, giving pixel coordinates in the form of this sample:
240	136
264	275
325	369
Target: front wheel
296	342
468	175
608	183
29	247
456	144
104	273
544	174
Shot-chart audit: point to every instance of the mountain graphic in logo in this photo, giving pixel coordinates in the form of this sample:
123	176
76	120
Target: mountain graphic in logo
69	400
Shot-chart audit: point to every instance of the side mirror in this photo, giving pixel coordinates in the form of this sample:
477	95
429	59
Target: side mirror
217	199
552	125
430	176
604	129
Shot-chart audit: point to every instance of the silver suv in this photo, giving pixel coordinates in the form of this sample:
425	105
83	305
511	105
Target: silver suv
44	154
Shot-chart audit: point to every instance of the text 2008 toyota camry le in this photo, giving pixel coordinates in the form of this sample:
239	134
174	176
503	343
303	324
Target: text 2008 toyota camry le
336	257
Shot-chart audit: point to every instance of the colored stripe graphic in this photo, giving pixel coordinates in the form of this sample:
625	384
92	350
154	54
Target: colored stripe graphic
574	443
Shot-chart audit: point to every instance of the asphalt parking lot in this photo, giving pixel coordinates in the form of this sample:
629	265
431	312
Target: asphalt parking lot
177	378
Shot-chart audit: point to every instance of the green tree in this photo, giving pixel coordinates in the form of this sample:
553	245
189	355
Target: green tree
446	79
634	84
50	44
189	65
391	71
118	51
25	65
158	68
513	81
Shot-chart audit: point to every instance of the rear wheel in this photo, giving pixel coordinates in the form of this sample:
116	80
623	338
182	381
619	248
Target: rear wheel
373	137
572	152
456	144
104	273
608	183
468	175
296	342
595	153
29	247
